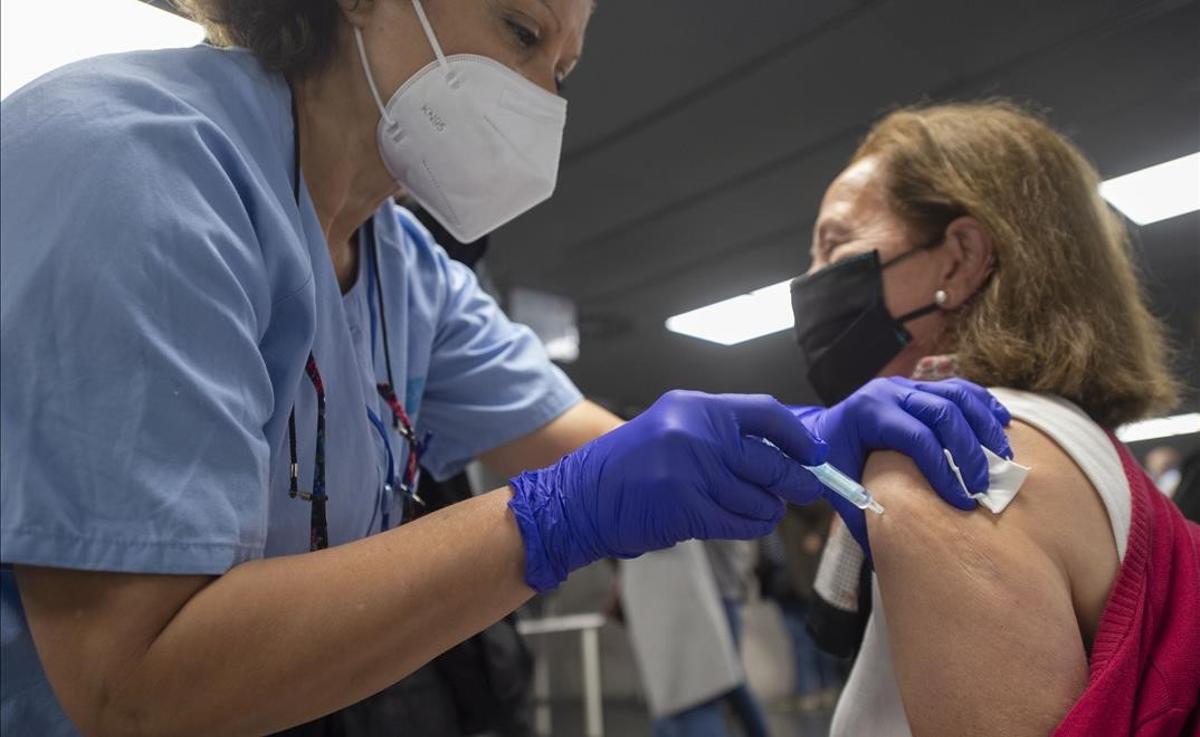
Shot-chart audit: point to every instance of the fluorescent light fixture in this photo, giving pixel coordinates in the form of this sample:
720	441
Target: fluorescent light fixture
1160	427
738	319
37	36
1157	192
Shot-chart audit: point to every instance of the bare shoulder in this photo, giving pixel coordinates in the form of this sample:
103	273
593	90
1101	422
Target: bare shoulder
1057	508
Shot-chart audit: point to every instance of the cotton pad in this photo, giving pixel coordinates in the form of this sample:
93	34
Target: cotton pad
1004	481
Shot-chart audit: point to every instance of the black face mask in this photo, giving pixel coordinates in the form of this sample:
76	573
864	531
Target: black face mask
845	331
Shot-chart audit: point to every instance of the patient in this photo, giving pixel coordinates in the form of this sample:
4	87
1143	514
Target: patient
1000	263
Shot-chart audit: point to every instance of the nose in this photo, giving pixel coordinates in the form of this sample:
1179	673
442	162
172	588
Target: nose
543	72
545	81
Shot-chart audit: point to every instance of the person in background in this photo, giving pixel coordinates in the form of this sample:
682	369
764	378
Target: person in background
682	608
681	640
732	563
788	565
1163	465
1187	494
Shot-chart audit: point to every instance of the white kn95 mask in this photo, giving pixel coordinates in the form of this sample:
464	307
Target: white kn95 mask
474	142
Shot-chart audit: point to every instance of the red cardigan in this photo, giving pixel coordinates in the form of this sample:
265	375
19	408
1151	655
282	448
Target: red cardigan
1145	662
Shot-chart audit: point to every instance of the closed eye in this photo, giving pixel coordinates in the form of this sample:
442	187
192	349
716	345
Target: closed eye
525	37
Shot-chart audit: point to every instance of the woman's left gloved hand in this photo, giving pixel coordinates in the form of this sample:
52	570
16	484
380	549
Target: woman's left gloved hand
918	419
692	466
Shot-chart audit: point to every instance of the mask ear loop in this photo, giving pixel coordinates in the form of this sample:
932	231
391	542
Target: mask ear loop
394	129
920	311
451	76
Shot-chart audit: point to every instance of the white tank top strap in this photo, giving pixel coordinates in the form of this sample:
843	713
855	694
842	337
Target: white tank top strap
1087	445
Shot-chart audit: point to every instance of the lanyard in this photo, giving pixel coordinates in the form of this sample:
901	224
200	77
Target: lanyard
411	475
319	524
318	535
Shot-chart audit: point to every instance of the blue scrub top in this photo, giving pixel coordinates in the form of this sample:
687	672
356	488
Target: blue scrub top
160	292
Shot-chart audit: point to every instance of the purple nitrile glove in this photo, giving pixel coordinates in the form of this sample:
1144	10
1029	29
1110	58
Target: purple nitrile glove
691	466
918	419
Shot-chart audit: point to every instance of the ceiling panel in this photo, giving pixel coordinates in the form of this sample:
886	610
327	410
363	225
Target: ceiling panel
657	56
828	87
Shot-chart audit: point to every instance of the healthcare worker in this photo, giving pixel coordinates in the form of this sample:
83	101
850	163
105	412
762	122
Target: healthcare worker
226	355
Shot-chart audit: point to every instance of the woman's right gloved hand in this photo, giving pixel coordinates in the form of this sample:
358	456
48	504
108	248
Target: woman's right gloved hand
692	466
920	419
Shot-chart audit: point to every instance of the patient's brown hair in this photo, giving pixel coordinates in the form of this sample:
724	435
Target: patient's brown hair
1062	312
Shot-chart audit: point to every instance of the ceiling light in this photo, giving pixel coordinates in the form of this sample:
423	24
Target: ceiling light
738	319
37	36
1157	192
1160	427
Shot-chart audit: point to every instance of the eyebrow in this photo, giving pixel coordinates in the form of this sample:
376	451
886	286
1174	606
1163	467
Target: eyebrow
554	15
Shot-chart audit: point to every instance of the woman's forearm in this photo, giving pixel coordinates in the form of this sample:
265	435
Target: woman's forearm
277	642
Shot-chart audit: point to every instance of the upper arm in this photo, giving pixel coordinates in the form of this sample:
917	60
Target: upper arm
980	612
490	381
93	628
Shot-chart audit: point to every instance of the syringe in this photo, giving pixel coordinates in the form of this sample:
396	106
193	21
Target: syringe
845	487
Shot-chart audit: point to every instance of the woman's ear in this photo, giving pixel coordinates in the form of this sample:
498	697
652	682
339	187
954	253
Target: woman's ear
968	261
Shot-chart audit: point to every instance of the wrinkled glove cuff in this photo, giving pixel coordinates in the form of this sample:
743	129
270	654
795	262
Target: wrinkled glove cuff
542	572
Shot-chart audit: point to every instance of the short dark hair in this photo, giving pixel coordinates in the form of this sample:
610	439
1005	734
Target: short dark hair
290	36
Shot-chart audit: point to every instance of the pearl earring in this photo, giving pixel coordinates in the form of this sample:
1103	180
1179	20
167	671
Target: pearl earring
940	297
